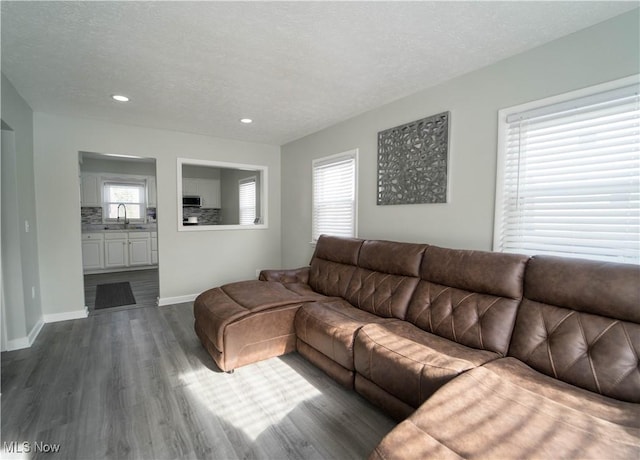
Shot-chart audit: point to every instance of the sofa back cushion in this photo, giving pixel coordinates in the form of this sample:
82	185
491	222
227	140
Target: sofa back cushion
333	264
470	297
386	277
580	323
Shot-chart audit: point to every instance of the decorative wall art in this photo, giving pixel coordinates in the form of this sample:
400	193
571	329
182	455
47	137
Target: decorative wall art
413	162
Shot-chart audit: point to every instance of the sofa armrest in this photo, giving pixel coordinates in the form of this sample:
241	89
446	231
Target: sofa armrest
296	275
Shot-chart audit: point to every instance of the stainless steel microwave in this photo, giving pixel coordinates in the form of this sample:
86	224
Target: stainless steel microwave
192	201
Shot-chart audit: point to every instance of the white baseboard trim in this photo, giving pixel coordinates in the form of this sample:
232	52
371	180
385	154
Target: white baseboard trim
35	331
26	342
162	301
66	316
18	344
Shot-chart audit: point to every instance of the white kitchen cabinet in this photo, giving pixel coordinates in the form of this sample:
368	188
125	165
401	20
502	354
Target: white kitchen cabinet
209	191
90	194
139	248
189	187
110	251
116	250
92	251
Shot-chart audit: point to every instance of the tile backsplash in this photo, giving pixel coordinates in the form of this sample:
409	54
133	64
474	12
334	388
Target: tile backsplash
206	216
93	215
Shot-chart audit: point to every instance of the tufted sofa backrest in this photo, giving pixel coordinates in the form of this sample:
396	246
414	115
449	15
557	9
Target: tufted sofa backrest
333	264
470	297
386	277
580	323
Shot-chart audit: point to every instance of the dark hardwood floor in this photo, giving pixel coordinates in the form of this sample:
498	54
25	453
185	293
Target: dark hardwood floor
144	284
138	384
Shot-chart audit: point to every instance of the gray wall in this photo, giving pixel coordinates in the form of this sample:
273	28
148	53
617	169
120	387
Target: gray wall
19	248
189	262
604	52
134	167
200	172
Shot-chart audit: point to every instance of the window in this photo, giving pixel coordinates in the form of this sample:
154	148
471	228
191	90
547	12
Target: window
569	176
221	184
334	195
130	194
247	201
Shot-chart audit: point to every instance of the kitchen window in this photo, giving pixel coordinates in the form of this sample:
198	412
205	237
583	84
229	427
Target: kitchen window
334	189
130	194
247	193
569	175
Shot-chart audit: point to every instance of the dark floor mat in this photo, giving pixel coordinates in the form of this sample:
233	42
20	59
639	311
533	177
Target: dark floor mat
114	295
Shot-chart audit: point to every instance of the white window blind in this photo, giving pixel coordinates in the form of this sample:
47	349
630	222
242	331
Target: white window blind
334	196
131	194
247	201
570	181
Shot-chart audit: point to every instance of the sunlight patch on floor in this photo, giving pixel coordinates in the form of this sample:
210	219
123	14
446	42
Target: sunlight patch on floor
248	403
16	450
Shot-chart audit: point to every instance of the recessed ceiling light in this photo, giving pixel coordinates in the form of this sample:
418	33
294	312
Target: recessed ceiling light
246	120
120	98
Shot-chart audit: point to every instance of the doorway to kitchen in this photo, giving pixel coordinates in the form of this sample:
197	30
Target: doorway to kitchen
119	223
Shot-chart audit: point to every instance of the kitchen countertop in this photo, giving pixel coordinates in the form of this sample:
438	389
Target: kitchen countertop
101	228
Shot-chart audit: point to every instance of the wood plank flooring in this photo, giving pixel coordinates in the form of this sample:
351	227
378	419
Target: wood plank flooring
144	284
137	384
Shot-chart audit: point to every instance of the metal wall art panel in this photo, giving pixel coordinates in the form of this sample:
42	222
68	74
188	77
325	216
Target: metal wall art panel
413	162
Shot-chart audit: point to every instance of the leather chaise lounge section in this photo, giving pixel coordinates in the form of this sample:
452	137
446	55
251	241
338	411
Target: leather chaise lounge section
488	355
248	321
241	323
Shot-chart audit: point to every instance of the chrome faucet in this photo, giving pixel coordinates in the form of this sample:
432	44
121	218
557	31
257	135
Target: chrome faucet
125	214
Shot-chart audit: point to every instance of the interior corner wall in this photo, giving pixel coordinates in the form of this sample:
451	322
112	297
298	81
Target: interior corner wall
21	282
604	52
189	262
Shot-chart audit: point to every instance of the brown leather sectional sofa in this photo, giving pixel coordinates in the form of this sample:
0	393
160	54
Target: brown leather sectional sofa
482	355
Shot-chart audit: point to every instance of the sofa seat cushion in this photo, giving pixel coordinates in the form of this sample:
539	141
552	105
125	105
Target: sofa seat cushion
508	410
331	327
410	363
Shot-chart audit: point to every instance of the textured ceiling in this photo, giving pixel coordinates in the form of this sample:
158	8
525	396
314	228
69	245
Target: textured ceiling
294	67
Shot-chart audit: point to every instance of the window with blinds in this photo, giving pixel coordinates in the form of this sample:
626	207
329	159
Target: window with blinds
334	195
247	191
569	178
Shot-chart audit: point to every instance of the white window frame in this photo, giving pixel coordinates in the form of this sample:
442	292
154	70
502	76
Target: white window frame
333	159
242	182
141	183
540	107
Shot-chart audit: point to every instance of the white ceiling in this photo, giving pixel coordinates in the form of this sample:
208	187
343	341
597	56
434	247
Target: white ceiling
294	67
